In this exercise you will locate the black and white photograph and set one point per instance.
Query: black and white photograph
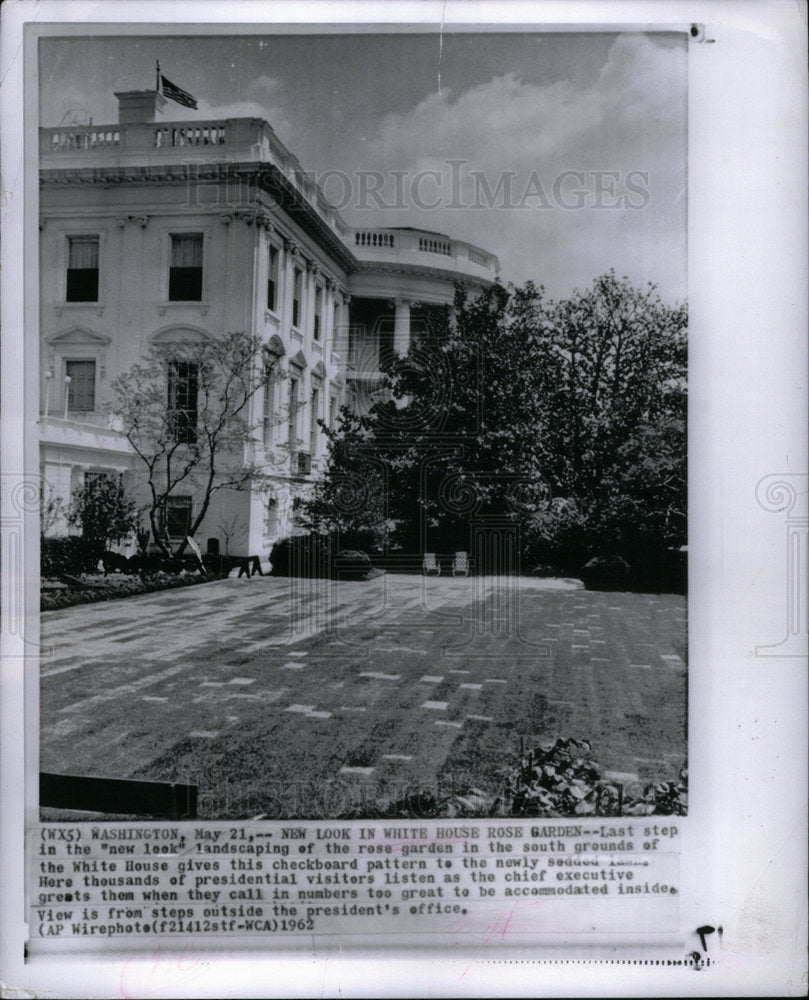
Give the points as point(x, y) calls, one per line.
point(363, 423)
point(403, 499)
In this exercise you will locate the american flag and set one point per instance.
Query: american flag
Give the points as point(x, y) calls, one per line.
point(175, 93)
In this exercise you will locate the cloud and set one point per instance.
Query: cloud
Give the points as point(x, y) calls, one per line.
point(630, 118)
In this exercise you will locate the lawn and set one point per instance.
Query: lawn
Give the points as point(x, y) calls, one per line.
point(306, 699)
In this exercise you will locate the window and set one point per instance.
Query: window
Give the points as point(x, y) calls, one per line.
point(185, 273)
point(94, 479)
point(318, 310)
point(297, 286)
point(82, 269)
point(81, 390)
point(269, 403)
point(182, 400)
point(178, 516)
point(272, 279)
point(315, 413)
point(292, 419)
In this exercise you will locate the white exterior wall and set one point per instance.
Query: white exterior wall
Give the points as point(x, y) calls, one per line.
point(134, 215)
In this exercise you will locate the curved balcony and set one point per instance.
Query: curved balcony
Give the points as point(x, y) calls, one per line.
point(423, 248)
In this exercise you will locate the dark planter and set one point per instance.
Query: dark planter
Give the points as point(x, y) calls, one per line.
point(351, 564)
point(606, 573)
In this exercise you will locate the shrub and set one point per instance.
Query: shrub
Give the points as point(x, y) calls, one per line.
point(352, 565)
point(554, 780)
point(58, 556)
point(105, 514)
point(557, 535)
point(606, 573)
point(303, 555)
point(114, 561)
point(147, 564)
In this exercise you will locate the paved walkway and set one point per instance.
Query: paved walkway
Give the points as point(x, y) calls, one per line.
point(295, 697)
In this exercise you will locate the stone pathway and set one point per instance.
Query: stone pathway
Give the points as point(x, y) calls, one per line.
point(297, 697)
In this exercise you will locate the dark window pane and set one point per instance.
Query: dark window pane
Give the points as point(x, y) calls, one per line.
point(82, 285)
point(272, 279)
point(185, 284)
point(82, 269)
point(297, 291)
point(185, 273)
point(318, 311)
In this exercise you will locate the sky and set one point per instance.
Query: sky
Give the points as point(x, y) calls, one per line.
point(562, 153)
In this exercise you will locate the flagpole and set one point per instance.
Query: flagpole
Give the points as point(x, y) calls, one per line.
point(157, 64)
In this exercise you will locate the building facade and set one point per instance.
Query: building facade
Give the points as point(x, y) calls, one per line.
point(154, 232)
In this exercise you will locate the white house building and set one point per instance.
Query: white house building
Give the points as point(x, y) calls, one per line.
point(153, 232)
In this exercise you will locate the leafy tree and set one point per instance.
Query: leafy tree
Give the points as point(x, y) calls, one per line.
point(184, 409)
point(567, 418)
point(612, 361)
point(105, 513)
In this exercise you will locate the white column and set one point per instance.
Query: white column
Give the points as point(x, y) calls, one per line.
point(401, 327)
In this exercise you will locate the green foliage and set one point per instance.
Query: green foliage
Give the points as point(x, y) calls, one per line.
point(558, 779)
point(563, 779)
point(566, 418)
point(349, 502)
point(303, 555)
point(59, 556)
point(105, 514)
